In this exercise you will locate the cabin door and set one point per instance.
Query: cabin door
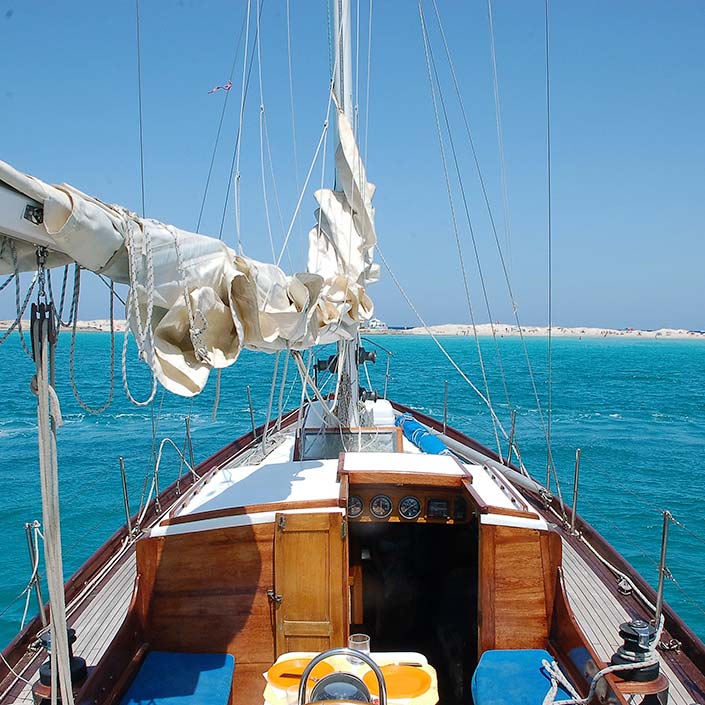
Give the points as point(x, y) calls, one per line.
point(311, 577)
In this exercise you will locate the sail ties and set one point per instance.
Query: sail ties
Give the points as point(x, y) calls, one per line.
point(193, 302)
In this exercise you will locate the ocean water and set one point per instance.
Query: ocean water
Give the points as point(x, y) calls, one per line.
point(636, 408)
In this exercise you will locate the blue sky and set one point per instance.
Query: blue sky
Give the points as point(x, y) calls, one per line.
point(628, 148)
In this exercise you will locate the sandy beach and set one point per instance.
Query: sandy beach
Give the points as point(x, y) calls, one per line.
point(505, 330)
point(502, 330)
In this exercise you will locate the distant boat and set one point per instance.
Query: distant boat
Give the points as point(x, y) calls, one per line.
point(375, 324)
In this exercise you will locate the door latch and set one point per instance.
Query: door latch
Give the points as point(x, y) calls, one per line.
point(273, 597)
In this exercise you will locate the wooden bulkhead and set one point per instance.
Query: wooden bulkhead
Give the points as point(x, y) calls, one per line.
point(297, 582)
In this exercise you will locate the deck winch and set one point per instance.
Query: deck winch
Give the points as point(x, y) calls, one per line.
point(41, 690)
point(638, 638)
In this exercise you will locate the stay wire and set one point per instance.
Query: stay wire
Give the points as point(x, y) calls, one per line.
point(502, 259)
point(697, 537)
point(139, 100)
point(268, 220)
point(291, 92)
point(220, 125)
point(236, 152)
point(500, 139)
point(471, 229)
point(367, 86)
point(456, 233)
point(438, 343)
point(549, 457)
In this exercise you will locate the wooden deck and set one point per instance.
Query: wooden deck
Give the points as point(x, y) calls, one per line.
point(599, 614)
point(96, 620)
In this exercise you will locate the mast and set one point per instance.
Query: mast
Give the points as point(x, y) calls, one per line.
point(348, 392)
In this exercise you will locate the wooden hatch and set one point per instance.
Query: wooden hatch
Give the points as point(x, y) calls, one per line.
point(310, 575)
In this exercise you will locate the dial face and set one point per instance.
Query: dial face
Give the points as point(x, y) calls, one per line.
point(355, 506)
point(410, 507)
point(381, 506)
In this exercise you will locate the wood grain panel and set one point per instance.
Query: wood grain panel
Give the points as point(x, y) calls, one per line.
point(311, 577)
point(515, 601)
point(209, 592)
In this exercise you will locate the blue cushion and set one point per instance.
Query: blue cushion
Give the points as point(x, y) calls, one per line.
point(168, 678)
point(513, 677)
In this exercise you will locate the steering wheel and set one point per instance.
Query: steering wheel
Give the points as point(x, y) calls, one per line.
point(342, 651)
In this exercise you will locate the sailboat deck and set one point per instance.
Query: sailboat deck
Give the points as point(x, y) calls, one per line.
point(599, 614)
point(98, 621)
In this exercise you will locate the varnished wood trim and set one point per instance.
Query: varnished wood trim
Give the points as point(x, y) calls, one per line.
point(253, 509)
point(507, 511)
point(658, 685)
point(486, 576)
point(551, 557)
point(344, 490)
point(480, 504)
point(401, 478)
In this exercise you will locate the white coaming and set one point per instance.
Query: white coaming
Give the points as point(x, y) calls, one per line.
point(228, 522)
point(520, 522)
point(279, 478)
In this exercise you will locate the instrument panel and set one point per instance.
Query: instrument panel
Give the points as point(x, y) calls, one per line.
point(387, 504)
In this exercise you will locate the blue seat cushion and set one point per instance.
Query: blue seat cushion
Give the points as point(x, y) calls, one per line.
point(169, 678)
point(513, 677)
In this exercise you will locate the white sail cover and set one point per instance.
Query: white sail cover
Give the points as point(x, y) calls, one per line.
point(194, 303)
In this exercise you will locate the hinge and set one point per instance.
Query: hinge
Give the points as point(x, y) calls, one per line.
point(281, 522)
point(343, 530)
point(273, 597)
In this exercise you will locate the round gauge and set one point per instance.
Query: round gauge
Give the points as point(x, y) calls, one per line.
point(410, 507)
point(381, 506)
point(355, 506)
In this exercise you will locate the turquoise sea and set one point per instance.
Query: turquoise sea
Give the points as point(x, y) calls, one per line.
point(636, 408)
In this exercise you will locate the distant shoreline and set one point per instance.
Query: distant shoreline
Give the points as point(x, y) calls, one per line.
point(502, 330)
point(97, 326)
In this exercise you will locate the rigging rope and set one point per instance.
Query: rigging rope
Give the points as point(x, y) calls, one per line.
point(282, 386)
point(291, 92)
point(72, 352)
point(139, 99)
point(19, 307)
point(549, 411)
point(438, 343)
point(277, 202)
point(48, 419)
point(471, 229)
point(261, 132)
point(557, 677)
point(367, 87)
point(500, 139)
point(144, 335)
point(271, 399)
point(456, 233)
point(243, 95)
point(235, 161)
point(220, 127)
point(502, 258)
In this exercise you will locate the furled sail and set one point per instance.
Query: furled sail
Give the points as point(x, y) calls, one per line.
point(193, 302)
